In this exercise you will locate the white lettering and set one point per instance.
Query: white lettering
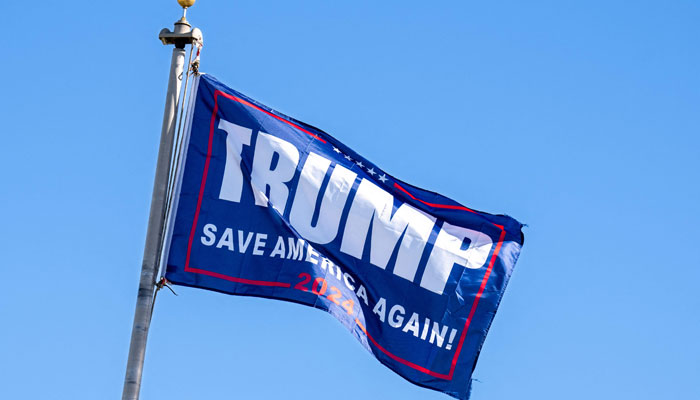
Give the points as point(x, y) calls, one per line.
point(243, 244)
point(347, 278)
point(232, 183)
point(209, 237)
point(334, 198)
point(259, 243)
point(362, 294)
point(448, 251)
point(264, 175)
point(296, 249)
point(395, 320)
point(438, 333)
point(380, 309)
point(426, 325)
point(311, 255)
point(412, 325)
point(372, 204)
point(279, 248)
point(226, 240)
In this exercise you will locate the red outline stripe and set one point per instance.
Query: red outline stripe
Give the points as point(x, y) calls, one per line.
point(476, 302)
point(238, 280)
point(448, 206)
point(204, 180)
point(249, 104)
point(394, 357)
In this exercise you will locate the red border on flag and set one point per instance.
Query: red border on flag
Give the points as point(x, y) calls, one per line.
point(472, 311)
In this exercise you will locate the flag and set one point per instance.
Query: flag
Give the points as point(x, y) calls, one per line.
point(265, 205)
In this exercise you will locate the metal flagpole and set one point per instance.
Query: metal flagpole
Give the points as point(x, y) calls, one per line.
point(182, 35)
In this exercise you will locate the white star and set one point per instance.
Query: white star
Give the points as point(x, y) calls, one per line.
point(382, 178)
point(336, 149)
point(371, 171)
point(359, 164)
point(347, 157)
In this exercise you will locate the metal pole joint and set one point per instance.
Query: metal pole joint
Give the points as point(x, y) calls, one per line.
point(181, 36)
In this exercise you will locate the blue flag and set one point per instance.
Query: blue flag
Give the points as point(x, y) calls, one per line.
point(268, 206)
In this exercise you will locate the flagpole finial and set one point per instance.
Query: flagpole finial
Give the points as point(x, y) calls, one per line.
point(186, 3)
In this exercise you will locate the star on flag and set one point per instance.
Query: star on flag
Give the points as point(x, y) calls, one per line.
point(370, 170)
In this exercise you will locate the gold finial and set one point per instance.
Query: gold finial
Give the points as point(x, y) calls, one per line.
point(186, 3)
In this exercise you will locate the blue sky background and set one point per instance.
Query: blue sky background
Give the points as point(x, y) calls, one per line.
point(581, 119)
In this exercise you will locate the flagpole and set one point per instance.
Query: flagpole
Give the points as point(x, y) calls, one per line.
point(182, 35)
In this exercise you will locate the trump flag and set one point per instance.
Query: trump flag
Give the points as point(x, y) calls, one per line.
point(268, 206)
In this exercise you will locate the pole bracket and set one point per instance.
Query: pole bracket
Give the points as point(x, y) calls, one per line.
point(181, 36)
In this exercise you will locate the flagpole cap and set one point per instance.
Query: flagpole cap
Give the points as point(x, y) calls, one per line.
point(186, 3)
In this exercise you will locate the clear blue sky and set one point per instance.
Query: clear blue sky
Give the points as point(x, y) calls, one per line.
point(581, 119)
